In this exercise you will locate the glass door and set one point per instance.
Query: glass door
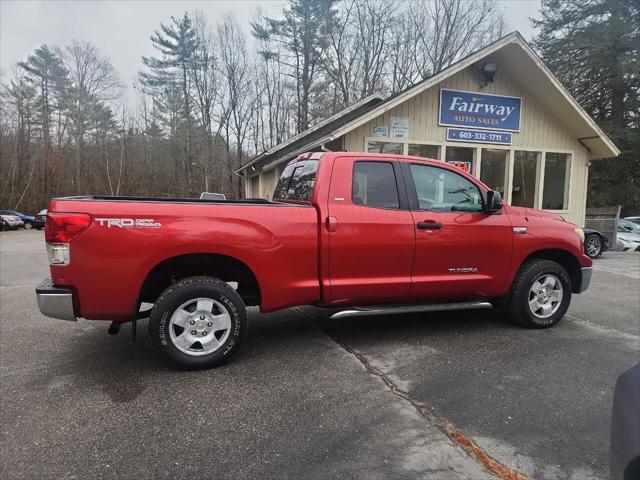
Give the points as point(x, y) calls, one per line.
point(526, 169)
point(493, 169)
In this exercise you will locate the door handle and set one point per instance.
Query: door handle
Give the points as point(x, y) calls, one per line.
point(331, 224)
point(429, 225)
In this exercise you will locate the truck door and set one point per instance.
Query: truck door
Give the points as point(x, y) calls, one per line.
point(461, 251)
point(371, 232)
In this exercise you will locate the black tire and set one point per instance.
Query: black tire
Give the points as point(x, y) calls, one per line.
point(519, 310)
point(593, 245)
point(28, 225)
point(183, 292)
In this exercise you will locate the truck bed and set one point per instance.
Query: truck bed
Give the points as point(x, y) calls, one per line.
point(111, 198)
point(129, 237)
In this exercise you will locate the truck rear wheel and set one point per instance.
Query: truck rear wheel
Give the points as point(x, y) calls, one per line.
point(540, 294)
point(198, 322)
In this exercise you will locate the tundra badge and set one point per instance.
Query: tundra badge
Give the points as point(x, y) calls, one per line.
point(464, 270)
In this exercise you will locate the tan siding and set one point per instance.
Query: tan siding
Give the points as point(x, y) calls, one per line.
point(268, 184)
point(253, 186)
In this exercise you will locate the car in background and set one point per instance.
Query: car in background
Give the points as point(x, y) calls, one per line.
point(10, 222)
point(212, 196)
point(635, 220)
point(628, 236)
point(41, 218)
point(29, 221)
point(595, 242)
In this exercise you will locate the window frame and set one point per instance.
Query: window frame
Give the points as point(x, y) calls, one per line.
point(401, 188)
point(399, 141)
point(431, 144)
point(567, 180)
point(405, 145)
point(413, 193)
point(537, 194)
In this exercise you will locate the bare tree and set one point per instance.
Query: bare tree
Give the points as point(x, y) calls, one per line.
point(375, 21)
point(447, 30)
point(207, 89)
point(275, 108)
point(93, 80)
point(238, 103)
point(403, 53)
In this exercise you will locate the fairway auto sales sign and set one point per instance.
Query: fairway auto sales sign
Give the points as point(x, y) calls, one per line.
point(477, 110)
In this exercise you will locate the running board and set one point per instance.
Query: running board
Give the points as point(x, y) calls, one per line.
point(429, 307)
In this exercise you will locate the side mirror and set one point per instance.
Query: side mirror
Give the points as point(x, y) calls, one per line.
point(494, 202)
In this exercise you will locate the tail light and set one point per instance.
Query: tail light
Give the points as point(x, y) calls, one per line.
point(64, 227)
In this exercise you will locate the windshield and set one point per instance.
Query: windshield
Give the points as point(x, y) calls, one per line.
point(625, 226)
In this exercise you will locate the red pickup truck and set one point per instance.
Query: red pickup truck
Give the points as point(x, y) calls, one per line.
point(367, 234)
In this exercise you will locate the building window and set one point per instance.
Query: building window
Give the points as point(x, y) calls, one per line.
point(424, 151)
point(493, 168)
point(526, 166)
point(385, 147)
point(374, 185)
point(555, 192)
point(461, 157)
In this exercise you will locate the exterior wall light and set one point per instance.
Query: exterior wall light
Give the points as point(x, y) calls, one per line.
point(488, 71)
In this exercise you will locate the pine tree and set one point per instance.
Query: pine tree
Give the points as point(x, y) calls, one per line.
point(302, 34)
point(593, 47)
point(172, 73)
point(45, 70)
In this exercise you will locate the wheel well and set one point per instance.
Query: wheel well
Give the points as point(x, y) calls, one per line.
point(227, 269)
point(564, 258)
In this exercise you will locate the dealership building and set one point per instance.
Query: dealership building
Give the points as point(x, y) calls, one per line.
point(499, 113)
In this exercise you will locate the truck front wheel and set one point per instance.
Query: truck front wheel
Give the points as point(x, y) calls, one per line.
point(198, 322)
point(540, 294)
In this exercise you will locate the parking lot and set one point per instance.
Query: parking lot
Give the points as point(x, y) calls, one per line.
point(307, 397)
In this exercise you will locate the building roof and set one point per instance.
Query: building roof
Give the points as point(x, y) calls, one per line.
point(515, 57)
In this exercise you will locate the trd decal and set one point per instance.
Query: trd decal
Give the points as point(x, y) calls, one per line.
point(128, 223)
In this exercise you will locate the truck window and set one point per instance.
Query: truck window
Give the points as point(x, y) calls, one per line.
point(442, 190)
point(296, 182)
point(374, 185)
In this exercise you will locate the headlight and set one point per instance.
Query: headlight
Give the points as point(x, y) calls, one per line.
point(580, 233)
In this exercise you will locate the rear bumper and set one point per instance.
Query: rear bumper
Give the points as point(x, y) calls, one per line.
point(585, 279)
point(55, 302)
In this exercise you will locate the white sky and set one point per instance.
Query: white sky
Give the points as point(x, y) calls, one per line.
point(121, 29)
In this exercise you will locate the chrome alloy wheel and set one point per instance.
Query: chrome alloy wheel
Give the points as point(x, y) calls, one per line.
point(545, 296)
point(200, 326)
point(594, 245)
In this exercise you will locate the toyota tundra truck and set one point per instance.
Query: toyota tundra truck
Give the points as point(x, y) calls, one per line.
point(362, 234)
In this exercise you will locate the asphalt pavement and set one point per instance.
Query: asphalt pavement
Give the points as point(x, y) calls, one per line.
point(406, 396)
